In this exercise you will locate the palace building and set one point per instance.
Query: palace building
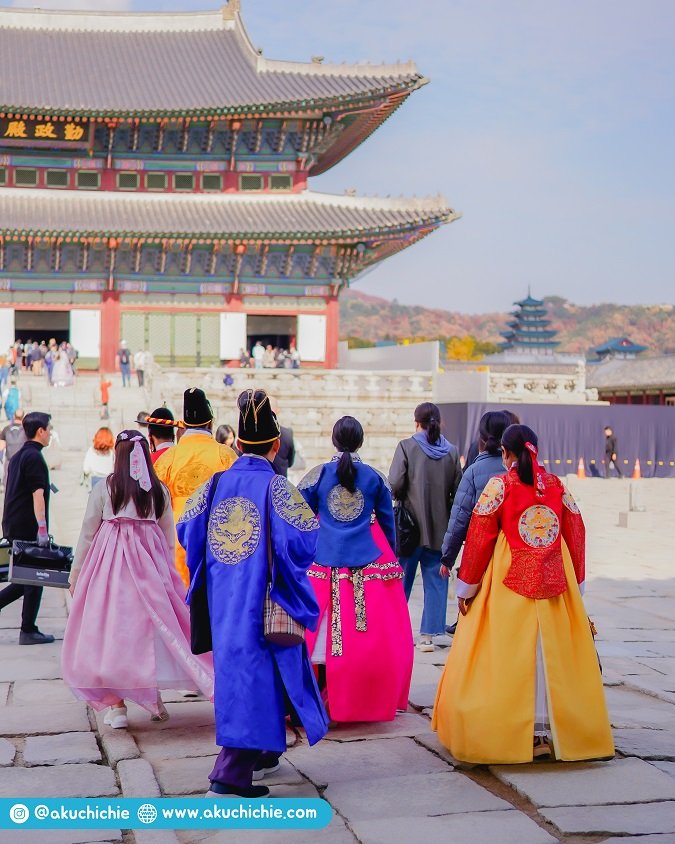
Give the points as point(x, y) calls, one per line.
point(154, 187)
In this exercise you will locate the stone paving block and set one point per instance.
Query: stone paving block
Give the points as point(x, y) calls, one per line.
point(59, 718)
point(647, 744)
point(335, 833)
point(60, 836)
point(189, 715)
point(425, 795)
point(61, 749)
point(666, 767)
point(422, 695)
point(509, 827)
point(177, 742)
point(38, 668)
point(4, 692)
point(7, 752)
point(365, 760)
point(155, 836)
point(42, 692)
point(628, 709)
point(643, 839)
point(405, 724)
point(137, 778)
point(63, 781)
point(179, 777)
point(117, 745)
point(431, 741)
point(629, 819)
point(588, 783)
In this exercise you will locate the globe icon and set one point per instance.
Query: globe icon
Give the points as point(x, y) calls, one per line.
point(147, 813)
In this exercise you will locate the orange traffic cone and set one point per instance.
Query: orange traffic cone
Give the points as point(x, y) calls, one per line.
point(581, 469)
point(637, 474)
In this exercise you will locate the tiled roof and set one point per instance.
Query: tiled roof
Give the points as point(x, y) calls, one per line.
point(116, 63)
point(259, 216)
point(619, 344)
point(624, 374)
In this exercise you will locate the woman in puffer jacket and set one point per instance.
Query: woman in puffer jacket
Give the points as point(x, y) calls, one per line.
point(485, 466)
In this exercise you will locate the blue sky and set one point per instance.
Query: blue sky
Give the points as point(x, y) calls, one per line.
point(549, 124)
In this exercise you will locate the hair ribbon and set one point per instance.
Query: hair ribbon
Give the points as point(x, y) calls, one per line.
point(138, 465)
point(536, 472)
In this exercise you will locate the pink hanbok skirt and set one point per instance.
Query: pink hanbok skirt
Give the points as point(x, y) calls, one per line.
point(369, 645)
point(128, 633)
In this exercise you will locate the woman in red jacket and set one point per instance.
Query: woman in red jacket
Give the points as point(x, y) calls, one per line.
point(522, 677)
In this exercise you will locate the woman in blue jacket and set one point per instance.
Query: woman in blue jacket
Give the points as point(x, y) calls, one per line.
point(364, 644)
point(485, 466)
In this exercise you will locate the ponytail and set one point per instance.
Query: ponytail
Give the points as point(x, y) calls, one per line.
point(347, 438)
point(346, 471)
point(492, 426)
point(429, 417)
point(515, 439)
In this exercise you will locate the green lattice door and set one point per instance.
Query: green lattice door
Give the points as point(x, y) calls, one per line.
point(174, 339)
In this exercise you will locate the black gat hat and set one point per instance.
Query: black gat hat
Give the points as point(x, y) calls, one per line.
point(257, 421)
point(196, 408)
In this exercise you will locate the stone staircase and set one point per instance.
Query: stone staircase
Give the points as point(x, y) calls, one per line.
point(309, 401)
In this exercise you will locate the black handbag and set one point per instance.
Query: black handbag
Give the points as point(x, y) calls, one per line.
point(5, 552)
point(407, 531)
point(201, 641)
point(40, 565)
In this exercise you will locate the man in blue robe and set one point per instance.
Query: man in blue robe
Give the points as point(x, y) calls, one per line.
point(254, 527)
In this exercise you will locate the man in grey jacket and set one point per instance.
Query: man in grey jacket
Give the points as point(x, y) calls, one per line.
point(424, 475)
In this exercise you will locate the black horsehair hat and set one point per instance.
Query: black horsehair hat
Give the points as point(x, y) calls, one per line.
point(197, 410)
point(257, 421)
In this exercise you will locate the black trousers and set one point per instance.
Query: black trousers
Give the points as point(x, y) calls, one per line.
point(32, 595)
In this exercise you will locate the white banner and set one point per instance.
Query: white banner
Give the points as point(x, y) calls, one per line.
point(232, 335)
point(7, 332)
point(312, 337)
point(85, 333)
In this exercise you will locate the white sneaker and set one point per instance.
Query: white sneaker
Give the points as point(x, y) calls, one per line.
point(426, 646)
point(116, 717)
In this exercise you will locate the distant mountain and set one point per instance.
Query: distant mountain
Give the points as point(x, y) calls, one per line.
point(370, 318)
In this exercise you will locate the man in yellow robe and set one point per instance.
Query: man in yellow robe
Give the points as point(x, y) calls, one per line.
point(192, 461)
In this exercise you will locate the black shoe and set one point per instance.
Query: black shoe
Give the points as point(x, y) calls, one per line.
point(269, 765)
point(450, 629)
point(35, 638)
point(219, 789)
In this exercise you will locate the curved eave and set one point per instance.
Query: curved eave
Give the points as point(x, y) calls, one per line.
point(394, 234)
point(361, 130)
point(286, 108)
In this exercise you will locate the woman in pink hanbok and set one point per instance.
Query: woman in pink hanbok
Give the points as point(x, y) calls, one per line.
point(363, 646)
point(128, 633)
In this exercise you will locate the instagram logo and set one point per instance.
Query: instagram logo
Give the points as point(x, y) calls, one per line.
point(19, 813)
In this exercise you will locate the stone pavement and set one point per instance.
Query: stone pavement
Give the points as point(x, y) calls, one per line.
point(386, 782)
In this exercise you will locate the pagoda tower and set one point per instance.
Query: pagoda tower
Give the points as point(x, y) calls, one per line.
point(529, 330)
point(154, 187)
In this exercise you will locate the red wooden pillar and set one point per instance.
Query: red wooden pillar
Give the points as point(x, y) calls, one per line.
point(332, 332)
point(111, 323)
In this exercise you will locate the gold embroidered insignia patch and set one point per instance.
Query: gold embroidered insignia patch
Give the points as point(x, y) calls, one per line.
point(491, 498)
point(311, 478)
point(291, 506)
point(196, 503)
point(189, 478)
point(234, 530)
point(343, 505)
point(570, 503)
point(539, 526)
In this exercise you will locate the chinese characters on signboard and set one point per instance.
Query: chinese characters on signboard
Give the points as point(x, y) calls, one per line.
point(14, 129)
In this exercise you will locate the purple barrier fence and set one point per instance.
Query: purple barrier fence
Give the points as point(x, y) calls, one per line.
point(568, 432)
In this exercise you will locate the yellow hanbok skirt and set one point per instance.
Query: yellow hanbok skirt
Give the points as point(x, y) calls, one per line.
point(485, 702)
